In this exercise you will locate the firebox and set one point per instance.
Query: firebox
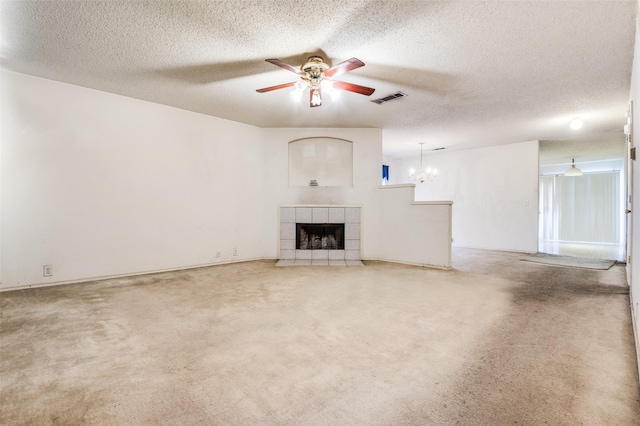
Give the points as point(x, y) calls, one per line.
point(320, 236)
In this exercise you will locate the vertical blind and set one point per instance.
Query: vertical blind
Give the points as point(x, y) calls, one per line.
point(582, 208)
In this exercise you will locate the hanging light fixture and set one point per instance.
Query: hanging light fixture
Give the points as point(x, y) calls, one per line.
point(423, 175)
point(573, 170)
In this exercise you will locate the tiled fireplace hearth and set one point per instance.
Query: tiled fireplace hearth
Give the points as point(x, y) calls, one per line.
point(319, 248)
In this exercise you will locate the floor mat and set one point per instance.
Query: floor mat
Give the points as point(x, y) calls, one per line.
point(574, 262)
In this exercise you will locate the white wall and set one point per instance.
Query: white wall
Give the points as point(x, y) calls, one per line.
point(634, 264)
point(101, 185)
point(417, 233)
point(97, 184)
point(367, 160)
point(327, 161)
point(494, 192)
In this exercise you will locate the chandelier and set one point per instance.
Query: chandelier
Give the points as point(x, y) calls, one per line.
point(428, 174)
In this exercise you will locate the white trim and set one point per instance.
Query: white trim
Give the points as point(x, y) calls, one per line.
point(134, 274)
point(432, 203)
point(424, 265)
point(320, 205)
point(506, 250)
point(634, 326)
point(399, 185)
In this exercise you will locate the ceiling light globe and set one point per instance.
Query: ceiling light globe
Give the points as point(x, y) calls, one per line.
point(327, 86)
point(573, 170)
point(315, 97)
point(576, 123)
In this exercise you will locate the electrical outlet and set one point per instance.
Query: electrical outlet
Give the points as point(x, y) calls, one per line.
point(218, 255)
point(47, 271)
point(235, 251)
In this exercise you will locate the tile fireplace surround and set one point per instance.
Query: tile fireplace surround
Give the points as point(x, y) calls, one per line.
point(349, 215)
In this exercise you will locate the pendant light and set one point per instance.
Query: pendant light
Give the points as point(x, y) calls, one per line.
point(573, 170)
point(421, 176)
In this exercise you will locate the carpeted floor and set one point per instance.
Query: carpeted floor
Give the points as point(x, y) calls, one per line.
point(495, 341)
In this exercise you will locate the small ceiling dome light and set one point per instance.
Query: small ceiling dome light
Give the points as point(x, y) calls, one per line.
point(576, 123)
point(573, 170)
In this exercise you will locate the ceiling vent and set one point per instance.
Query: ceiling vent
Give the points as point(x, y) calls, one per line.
point(395, 96)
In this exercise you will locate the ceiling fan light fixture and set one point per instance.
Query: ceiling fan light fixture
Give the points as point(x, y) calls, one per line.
point(327, 86)
point(573, 170)
point(312, 74)
point(316, 99)
point(296, 95)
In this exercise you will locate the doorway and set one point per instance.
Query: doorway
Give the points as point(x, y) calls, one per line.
point(583, 215)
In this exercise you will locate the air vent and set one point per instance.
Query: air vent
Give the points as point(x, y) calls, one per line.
point(396, 95)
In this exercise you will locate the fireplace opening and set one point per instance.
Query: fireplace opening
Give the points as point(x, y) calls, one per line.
point(320, 236)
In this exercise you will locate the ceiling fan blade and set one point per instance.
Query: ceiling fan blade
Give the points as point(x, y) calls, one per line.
point(286, 66)
point(315, 98)
point(342, 67)
point(350, 87)
point(279, 86)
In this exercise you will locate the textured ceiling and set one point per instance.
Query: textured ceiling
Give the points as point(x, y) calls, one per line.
point(582, 150)
point(477, 73)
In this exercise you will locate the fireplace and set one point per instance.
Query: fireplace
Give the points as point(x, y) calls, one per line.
point(319, 236)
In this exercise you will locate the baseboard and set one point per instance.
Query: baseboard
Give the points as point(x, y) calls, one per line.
point(133, 274)
point(158, 271)
point(423, 265)
point(635, 331)
point(502, 250)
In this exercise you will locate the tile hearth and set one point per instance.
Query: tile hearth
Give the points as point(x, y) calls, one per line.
point(302, 262)
point(347, 215)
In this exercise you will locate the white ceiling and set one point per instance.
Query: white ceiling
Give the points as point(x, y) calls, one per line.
point(477, 73)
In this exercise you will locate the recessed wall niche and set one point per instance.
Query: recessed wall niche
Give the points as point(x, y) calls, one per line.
point(325, 161)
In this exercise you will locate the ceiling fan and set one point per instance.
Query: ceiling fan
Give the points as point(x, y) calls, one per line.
point(316, 75)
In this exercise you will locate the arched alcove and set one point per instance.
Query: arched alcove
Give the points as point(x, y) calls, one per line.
point(327, 161)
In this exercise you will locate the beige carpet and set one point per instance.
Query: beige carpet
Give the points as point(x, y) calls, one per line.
point(493, 342)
